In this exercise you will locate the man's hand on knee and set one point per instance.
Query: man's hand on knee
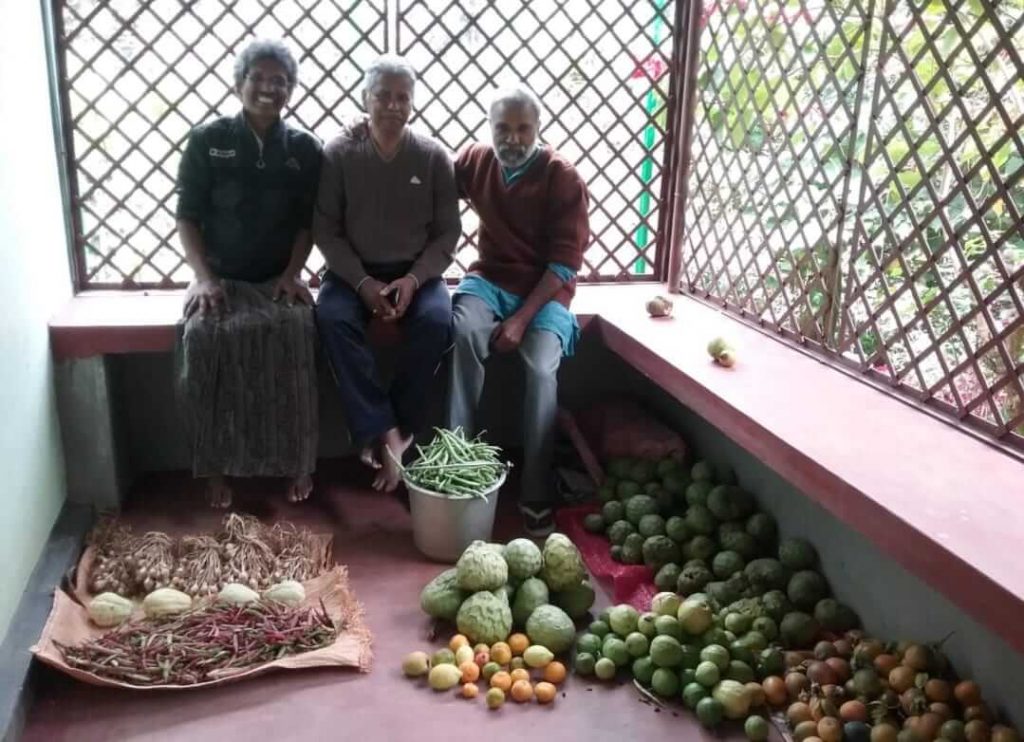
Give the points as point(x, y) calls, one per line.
point(508, 335)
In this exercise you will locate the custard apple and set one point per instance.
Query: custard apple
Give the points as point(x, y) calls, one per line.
point(441, 597)
point(563, 566)
point(481, 567)
point(531, 593)
point(523, 557)
point(484, 618)
point(551, 627)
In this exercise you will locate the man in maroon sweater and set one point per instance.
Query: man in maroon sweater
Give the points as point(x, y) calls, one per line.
point(533, 209)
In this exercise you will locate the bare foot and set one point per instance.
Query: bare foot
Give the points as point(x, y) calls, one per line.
point(300, 488)
point(218, 492)
point(369, 457)
point(390, 474)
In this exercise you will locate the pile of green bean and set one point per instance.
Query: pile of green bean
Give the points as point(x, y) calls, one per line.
point(455, 466)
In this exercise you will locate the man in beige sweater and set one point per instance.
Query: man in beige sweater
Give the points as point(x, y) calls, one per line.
point(387, 222)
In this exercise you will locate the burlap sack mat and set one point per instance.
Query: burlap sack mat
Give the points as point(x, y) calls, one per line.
point(69, 623)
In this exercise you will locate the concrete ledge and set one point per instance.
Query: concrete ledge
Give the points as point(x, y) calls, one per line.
point(16, 667)
point(941, 503)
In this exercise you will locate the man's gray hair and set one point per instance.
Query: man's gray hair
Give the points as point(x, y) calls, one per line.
point(387, 64)
point(260, 49)
point(516, 94)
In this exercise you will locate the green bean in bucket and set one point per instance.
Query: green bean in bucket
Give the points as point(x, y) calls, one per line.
point(456, 466)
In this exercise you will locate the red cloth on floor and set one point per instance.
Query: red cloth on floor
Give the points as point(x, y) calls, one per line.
point(630, 583)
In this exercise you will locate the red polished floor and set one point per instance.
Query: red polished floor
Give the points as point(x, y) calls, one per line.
point(372, 535)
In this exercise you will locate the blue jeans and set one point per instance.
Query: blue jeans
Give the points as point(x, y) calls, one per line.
point(342, 318)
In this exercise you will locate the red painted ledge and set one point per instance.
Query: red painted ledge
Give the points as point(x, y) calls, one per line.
point(944, 505)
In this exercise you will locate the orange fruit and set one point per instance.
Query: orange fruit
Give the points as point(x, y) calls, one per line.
point(469, 690)
point(501, 653)
point(545, 692)
point(522, 691)
point(501, 680)
point(459, 640)
point(470, 672)
point(554, 672)
point(518, 644)
point(520, 674)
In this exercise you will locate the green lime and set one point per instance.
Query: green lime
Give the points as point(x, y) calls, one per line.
point(615, 650)
point(740, 672)
point(666, 652)
point(707, 674)
point(605, 669)
point(584, 664)
point(645, 625)
point(600, 628)
point(709, 712)
point(693, 693)
point(665, 682)
point(668, 626)
point(589, 643)
point(756, 728)
point(643, 670)
point(738, 623)
point(718, 654)
point(637, 644)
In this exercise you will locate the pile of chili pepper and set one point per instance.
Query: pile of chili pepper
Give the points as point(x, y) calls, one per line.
point(201, 644)
point(456, 466)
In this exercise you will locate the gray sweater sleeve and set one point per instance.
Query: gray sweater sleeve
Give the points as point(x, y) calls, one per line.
point(329, 220)
point(446, 227)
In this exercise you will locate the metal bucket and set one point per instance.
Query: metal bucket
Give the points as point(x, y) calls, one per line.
point(444, 526)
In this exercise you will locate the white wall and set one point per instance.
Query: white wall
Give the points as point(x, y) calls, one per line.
point(34, 281)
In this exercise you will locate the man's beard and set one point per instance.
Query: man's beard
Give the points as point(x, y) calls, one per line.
point(510, 156)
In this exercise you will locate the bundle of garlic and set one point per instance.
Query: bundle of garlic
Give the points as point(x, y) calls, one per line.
point(151, 561)
point(199, 571)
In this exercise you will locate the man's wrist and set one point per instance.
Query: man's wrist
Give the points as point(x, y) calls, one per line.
point(415, 280)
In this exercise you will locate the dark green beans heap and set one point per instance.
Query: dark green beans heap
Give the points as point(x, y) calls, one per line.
point(455, 466)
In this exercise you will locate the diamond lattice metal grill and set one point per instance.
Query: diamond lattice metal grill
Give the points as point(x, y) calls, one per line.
point(856, 184)
point(601, 71)
point(138, 74)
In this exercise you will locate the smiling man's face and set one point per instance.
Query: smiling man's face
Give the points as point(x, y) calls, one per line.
point(265, 89)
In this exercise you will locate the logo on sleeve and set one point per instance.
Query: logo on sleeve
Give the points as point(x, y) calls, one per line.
point(292, 163)
point(222, 153)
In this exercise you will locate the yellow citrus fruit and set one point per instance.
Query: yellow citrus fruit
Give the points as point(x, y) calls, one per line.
point(457, 641)
point(554, 672)
point(518, 643)
point(495, 698)
point(520, 674)
point(501, 680)
point(522, 691)
point(501, 653)
point(545, 692)
point(469, 690)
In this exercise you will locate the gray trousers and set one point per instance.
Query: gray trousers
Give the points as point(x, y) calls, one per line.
point(541, 352)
